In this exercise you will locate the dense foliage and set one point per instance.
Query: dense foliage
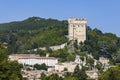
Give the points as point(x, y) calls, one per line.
point(112, 73)
point(32, 33)
point(79, 74)
point(101, 44)
point(9, 70)
point(40, 67)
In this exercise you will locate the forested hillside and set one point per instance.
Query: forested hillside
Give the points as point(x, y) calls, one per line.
point(102, 44)
point(35, 32)
point(32, 33)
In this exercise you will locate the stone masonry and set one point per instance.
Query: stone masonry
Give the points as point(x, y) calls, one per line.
point(77, 29)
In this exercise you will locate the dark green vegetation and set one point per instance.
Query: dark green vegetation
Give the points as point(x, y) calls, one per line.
point(102, 44)
point(112, 73)
point(32, 33)
point(40, 67)
point(9, 70)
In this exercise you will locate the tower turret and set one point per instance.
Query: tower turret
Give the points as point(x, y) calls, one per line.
point(77, 29)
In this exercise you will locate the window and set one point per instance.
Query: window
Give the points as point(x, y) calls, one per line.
point(82, 25)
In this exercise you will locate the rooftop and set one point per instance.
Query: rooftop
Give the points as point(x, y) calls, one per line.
point(28, 56)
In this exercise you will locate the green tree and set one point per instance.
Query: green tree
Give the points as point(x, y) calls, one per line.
point(41, 67)
point(90, 61)
point(111, 74)
point(69, 78)
point(54, 77)
point(9, 70)
point(65, 69)
point(79, 74)
point(43, 76)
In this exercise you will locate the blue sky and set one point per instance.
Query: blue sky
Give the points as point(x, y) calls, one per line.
point(101, 14)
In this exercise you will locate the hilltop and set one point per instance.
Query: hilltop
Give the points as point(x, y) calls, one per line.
point(32, 33)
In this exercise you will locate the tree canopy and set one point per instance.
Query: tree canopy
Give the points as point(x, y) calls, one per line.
point(32, 33)
point(112, 73)
point(9, 70)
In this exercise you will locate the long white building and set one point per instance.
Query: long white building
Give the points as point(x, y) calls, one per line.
point(32, 59)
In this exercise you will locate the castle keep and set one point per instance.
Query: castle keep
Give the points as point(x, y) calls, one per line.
point(77, 29)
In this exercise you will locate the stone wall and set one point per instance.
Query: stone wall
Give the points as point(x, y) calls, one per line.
point(53, 47)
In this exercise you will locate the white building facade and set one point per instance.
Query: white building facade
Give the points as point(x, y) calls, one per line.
point(32, 59)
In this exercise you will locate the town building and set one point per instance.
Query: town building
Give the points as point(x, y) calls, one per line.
point(32, 59)
point(32, 74)
point(70, 66)
point(104, 62)
point(92, 74)
point(77, 29)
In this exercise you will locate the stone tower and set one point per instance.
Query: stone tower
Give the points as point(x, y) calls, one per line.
point(77, 29)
